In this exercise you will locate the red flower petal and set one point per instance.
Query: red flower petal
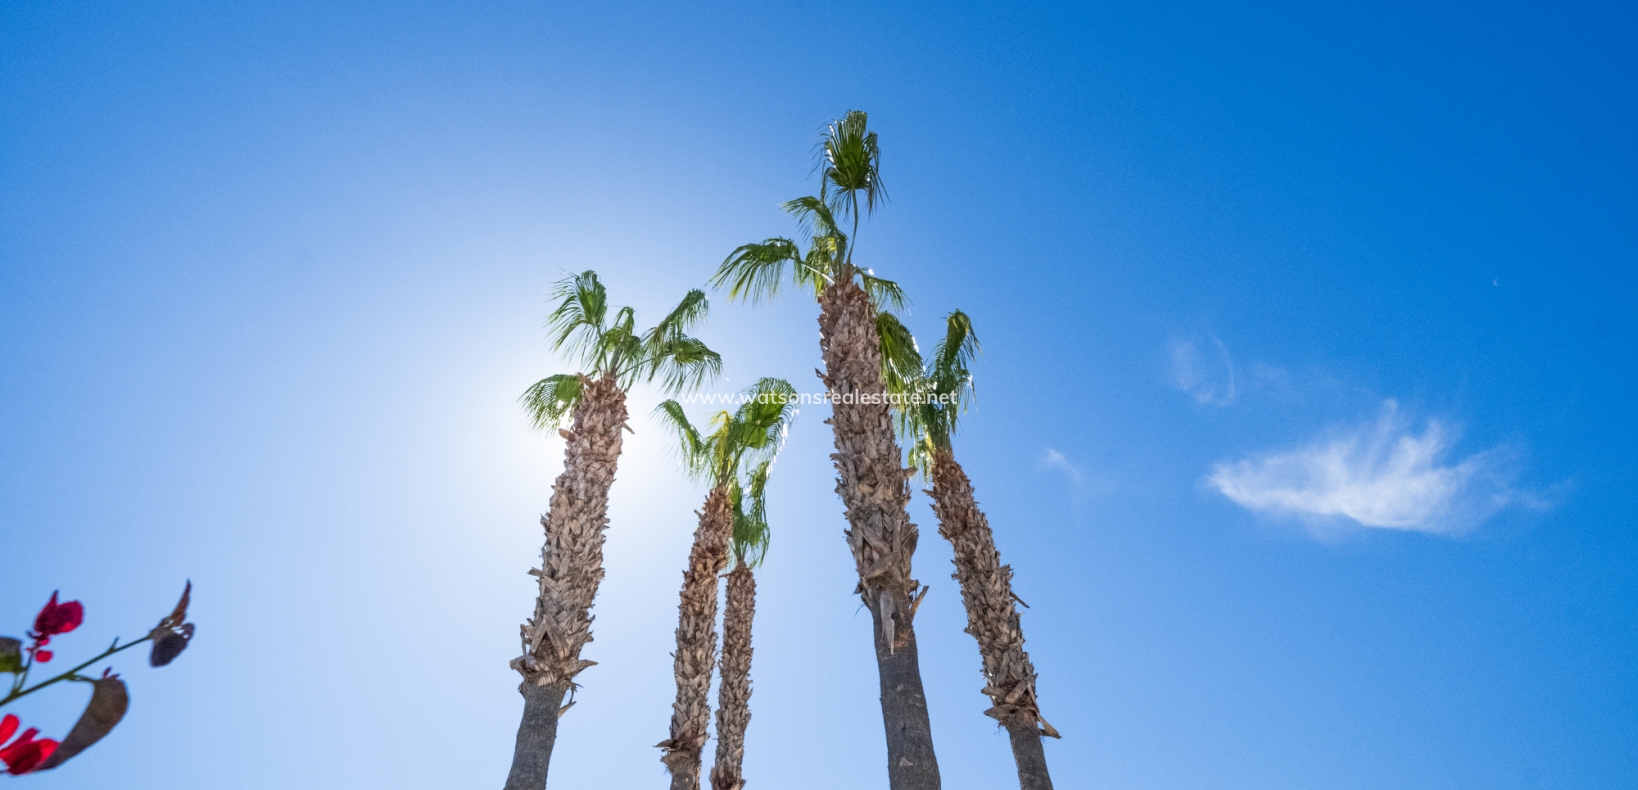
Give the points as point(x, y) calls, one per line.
point(28, 757)
point(58, 618)
point(43, 656)
point(8, 725)
point(26, 754)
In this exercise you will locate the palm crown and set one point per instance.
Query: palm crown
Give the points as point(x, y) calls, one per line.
point(604, 345)
point(752, 433)
point(750, 437)
point(933, 394)
point(849, 164)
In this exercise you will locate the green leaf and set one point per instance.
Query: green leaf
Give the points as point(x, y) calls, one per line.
point(551, 402)
point(751, 531)
point(691, 446)
point(754, 272)
point(884, 294)
point(851, 160)
point(11, 655)
point(582, 306)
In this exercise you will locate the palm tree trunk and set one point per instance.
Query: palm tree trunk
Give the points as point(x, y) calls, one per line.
point(532, 754)
point(570, 570)
point(874, 487)
point(697, 641)
point(992, 618)
point(1030, 757)
point(734, 695)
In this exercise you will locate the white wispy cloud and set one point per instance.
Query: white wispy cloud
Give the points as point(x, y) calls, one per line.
point(1056, 460)
point(1206, 375)
point(1380, 475)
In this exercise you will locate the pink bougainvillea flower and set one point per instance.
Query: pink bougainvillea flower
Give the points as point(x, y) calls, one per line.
point(24, 754)
point(57, 618)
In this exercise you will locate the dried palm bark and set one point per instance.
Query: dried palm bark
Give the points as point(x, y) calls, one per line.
point(874, 487)
point(992, 618)
point(570, 571)
point(697, 641)
point(734, 693)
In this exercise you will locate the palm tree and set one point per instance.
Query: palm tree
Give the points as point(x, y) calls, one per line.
point(612, 356)
point(928, 420)
point(870, 476)
point(752, 434)
point(734, 692)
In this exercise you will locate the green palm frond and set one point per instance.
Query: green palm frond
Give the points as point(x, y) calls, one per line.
point(577, 322)
point(823, 263)
point(850, 159)
point(681, 362)
point(814, 216)
point(754, 272)
point(901, 359)
point(884, 294)
point(751, 532)
point(683, 365)
point(956, 351)
point(949, 376)
point(688, 314)
point(551, 402)
point(692, 448)
point(763, 420)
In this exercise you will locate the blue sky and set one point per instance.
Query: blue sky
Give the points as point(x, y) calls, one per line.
point(1304, 413)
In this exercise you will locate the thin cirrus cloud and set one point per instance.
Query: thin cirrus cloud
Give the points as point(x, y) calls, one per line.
point(1056, 460)
point(1204, 370)
point(1381, 475)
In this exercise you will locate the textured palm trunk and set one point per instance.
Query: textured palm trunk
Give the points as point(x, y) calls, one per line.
point(697, 641)
point(571, 569)
point(734, 694)
point(874, 488)
point(992, 618)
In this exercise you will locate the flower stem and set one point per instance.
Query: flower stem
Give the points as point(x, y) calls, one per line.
point(72, 674)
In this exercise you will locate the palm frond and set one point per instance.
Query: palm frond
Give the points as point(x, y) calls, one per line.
point(620, 349)
point(814, 216)
point(692, 448)
point(688, 314)
point(884, 294)
point(901, 359)
point(577, 322)
point(751, 532)
point(764, 418)
point(954, 355)
point(551, 402)
point(822, 265)
point(949, 381)
point(754, 272)
point(920, 453)
point(682, 364)
point(850, 159)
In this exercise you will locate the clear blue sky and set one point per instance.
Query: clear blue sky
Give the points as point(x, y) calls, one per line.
point(1305, 413)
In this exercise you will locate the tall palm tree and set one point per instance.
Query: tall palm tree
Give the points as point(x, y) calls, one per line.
point(927, 419)
point(871, 478)
point(612, 356)
point(753, 434)
point(734, 691)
